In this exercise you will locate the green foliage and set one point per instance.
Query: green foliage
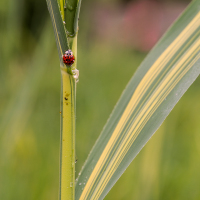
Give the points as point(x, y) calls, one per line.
point(167, 167)
point(32, 169)
point(161, 80)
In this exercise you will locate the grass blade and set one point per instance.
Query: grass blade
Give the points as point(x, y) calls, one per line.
point(161, 80)
point(58, 27)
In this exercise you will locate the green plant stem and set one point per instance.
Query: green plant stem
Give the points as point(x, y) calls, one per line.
point(67, 149)
point(65, 22)
point(70, 12)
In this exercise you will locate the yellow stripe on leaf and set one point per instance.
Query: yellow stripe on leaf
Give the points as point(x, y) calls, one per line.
point(105, 168)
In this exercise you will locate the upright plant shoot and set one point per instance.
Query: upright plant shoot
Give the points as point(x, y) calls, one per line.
point(64, 15)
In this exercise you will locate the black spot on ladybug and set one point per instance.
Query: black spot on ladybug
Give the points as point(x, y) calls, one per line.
point(66, 98)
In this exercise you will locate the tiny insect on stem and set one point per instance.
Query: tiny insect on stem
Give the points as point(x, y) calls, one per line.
point(68, 58)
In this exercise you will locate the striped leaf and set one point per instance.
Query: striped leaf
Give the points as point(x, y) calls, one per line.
point(58, 27)
point(164, 76)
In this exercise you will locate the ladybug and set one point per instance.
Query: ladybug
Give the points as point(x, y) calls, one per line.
point(68, 58)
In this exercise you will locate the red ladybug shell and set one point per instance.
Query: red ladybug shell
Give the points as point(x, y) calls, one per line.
point(68, 58)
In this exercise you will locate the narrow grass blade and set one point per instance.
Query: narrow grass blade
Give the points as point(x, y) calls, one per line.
point(161, 80)
point(58, 27)
point(76, 19)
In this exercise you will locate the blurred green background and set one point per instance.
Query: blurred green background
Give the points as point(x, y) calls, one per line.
point(114, 37)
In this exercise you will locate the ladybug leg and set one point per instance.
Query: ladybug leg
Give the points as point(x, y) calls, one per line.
point(75, 74)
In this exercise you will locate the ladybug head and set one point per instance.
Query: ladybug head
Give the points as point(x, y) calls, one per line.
point(68, 52)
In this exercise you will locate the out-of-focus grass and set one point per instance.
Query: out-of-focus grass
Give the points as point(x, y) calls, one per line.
point(167, 168)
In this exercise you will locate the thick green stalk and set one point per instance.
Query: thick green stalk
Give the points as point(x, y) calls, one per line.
point(65, 23)
point(67, 157)
point(67, 150)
